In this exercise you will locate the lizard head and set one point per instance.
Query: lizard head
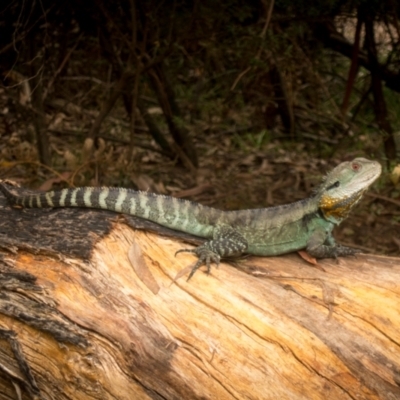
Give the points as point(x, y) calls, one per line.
point(344, 187)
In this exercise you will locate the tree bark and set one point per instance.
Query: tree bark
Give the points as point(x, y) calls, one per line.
point(93, 309)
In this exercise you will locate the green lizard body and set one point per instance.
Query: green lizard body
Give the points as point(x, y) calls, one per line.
point(306, 224)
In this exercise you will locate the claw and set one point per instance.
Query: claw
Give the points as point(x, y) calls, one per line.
point(185, 251)
point(195, 268)
point(205, 256)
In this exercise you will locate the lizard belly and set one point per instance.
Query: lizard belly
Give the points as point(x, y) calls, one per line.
point(283, 247)
point(285, 239)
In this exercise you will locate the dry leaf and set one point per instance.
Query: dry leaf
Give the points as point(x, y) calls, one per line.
point(101, 147)
point(396, 241)
point(138, 263)
point(395, 175)
point(310, 259)
point(183, 272)
point(70, 159)
point(305, 256)
point(154, 111)
point(143, 182)
point(47, 185)
point(87, 148)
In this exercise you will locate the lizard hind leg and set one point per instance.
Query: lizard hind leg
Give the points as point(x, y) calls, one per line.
point(226, 242)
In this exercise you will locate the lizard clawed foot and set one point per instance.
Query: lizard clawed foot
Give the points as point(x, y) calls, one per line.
point(205, 255)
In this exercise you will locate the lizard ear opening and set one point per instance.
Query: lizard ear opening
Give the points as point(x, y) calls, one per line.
point(333, 186)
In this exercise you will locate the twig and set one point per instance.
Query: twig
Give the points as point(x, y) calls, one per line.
point(135, 90)
point(133, 27)
point(239, 77)
point(109, 104)
point(39, 164)
point(135, 93)
point(60, 68)
point(24, 34)
point(380, 197)
point(267, 20)
point(114, 139)
point(262, 36)
point(353, 70)
point(83, 78)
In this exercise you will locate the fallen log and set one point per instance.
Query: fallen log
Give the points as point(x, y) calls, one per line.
point(92, 308)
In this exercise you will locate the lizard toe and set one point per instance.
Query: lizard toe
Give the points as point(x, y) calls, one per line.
point(206, 256)
point(185, 251)
point(347, 251)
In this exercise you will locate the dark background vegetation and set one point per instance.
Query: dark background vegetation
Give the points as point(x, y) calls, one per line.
point(235, 104)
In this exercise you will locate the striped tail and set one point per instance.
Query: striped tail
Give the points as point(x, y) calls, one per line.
point(178, 214)
point(12, 198)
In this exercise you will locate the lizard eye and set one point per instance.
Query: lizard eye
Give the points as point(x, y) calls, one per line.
point(333, 186)
point(355, 166)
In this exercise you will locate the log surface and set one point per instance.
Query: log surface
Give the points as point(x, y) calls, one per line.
point(78, 321)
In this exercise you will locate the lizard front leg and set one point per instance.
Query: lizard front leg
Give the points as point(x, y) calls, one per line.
point(226, 242)
point(323, 245)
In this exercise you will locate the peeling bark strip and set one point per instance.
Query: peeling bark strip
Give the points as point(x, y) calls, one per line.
point(25, 306)
point(24, 375)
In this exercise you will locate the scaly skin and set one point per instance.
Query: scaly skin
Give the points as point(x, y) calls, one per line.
point(306, 224)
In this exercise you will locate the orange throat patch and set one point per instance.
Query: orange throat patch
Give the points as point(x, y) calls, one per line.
point(338, 209)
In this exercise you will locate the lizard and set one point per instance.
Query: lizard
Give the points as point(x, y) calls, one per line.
point(305, 224)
